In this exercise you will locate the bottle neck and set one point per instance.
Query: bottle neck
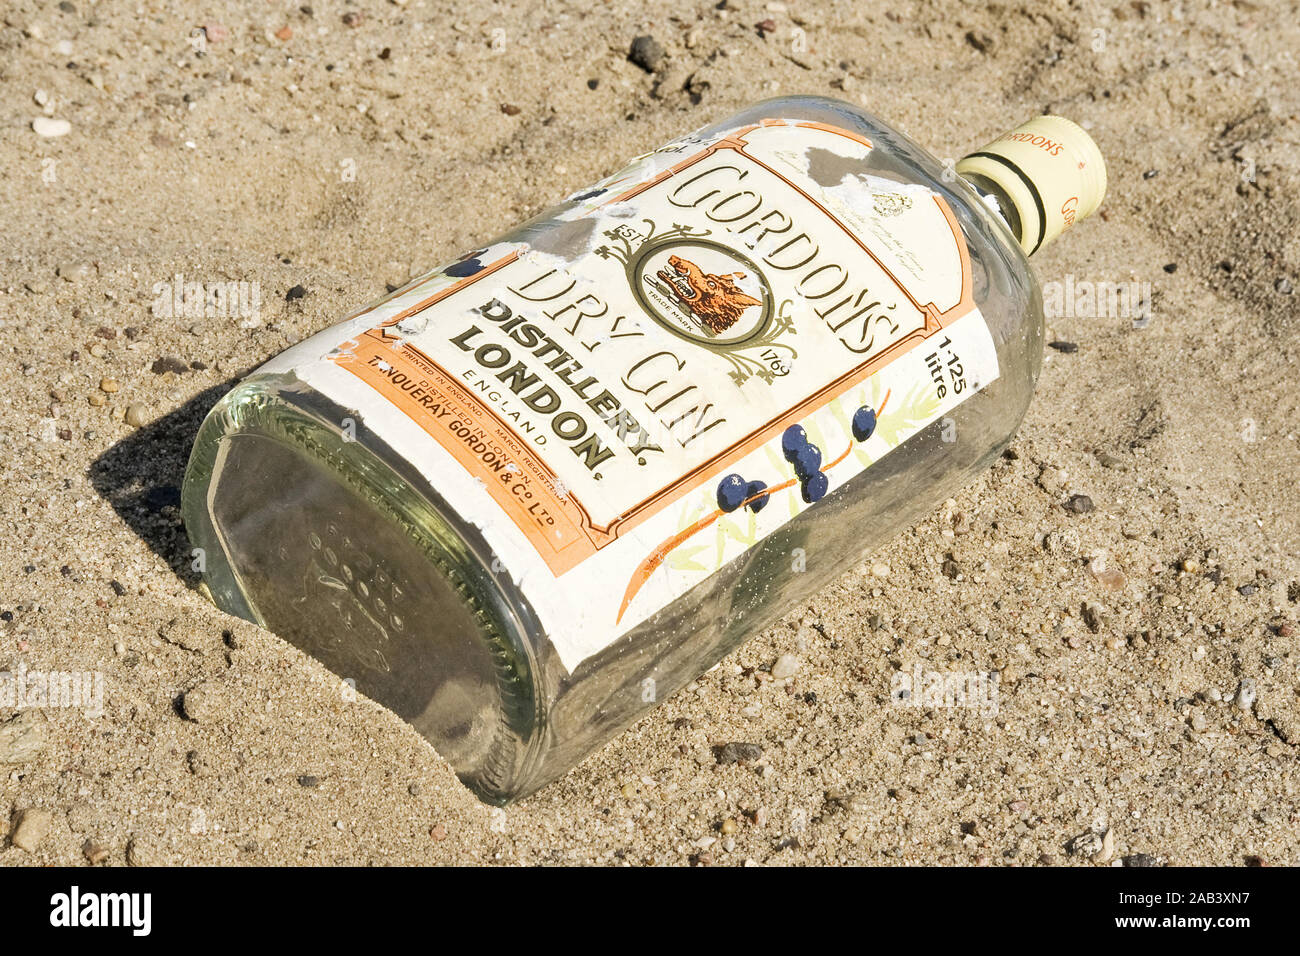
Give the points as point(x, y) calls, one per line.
point(996, 199)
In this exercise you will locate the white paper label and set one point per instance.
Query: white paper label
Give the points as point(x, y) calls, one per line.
point(705, 345)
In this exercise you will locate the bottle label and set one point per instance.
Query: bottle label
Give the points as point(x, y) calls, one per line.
point(700, 348)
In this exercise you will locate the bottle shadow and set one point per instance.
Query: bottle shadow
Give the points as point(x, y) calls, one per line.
point(141, 477)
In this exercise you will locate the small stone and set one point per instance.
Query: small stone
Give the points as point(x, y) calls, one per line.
point(352, 18)
point(1107, 847)
point(1108, 576)
point(1067, 348)
point(510, 109)
point(202, 703)
point(215, 32)
point(73, 271)
point(1198, 722)
point(32, 827)
point(879, 570)
point(646, 53)
point(109, 385)
point(1088, 844)
point(93, 852)
point(1246, 694)
point(1284, 286)
point(737, 753)
point(297, 292)
point(1140, 859)
point(729, 826)
point(49, 127)
point(169, 363)
point(284, 34)
point(787, 665)
point(1079, 504)
point(136, 416)
point(22, 738)
point(438, 832)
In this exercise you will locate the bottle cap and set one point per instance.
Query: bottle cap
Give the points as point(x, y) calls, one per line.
point(1050, 169)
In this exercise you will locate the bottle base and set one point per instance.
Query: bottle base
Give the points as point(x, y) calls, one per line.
point(364, 574)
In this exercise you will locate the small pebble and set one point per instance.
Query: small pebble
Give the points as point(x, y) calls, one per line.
point(73, 271)
point(646, 53)
point(1088, 844)
point(48, 127)
point(1079, 504)
point(737, 753)
point(169, 363)
point(109, 385)
point(1246, 694)
point(787, 665)
point(22, 738)
point(136, 416)
point(94, 853)
point(33, 826)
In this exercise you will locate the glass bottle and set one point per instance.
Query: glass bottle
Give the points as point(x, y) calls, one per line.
point(532, 493)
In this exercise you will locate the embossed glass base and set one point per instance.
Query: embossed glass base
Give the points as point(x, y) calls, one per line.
point(363, 573)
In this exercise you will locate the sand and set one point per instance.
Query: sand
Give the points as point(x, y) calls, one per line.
point(294, 149)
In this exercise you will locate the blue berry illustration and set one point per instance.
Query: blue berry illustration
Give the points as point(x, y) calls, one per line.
point(864, 423)
point(753, 488)
point(814, 489)
point(807, 462)
point(792, 441)
point(731, 492)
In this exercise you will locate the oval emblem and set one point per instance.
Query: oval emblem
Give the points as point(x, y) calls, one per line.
point(702, 291)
